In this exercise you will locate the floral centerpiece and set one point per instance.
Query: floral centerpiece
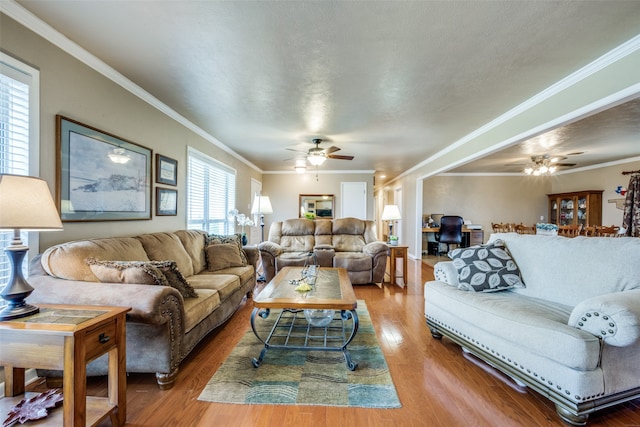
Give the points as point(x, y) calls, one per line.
point(243, 221)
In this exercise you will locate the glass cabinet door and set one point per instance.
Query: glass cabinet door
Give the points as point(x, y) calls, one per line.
point(582, 210)
point(553, 211)
point(566, 211)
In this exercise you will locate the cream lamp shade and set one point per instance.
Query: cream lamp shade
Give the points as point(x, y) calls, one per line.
point(391, 213)
point(26, 203)
point(261, 205)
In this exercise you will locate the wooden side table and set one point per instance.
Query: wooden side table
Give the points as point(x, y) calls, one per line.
point(67, 337)
point(396, 252)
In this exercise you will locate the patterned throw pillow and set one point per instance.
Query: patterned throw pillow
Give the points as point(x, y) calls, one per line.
point(136, 272)
point(161, 273)
point(216, 239)
point(486, 268)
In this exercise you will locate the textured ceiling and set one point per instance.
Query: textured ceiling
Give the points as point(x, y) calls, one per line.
point(391, 83)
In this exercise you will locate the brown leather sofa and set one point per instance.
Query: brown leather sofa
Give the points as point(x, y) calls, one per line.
point(349, 243)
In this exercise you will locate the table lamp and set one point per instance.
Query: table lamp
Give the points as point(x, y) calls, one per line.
point(261, 206)
point(391, 213)
point(25, 204)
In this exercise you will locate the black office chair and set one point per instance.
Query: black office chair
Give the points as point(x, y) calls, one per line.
point(450, 231)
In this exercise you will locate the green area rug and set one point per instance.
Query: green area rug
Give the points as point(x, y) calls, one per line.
point(288, 377)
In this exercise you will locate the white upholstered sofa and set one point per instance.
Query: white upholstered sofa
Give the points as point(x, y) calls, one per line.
point(572, 333)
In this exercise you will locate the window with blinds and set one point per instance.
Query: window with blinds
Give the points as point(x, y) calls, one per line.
point(211, 194)
point(18, 113)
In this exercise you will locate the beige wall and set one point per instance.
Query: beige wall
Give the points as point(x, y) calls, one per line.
point(607, 179)
point(70, 88)
point(486, 199)
point(284, 190)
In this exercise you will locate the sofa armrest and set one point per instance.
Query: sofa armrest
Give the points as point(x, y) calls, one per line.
point(272, 248)
point(614, 317)
point(252, 256)
point(149, 304)
point(374, 248)
point(445, 272)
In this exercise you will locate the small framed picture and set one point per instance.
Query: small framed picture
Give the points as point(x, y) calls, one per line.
point(166, 202)
point(166, 170)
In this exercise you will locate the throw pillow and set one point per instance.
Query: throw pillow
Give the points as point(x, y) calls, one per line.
point(217, 239)
point(486, 268)
point(137, 272)
point(175, 278)
point(161, 273)
point(224, 255)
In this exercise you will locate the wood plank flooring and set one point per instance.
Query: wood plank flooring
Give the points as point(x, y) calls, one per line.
point(436, 383)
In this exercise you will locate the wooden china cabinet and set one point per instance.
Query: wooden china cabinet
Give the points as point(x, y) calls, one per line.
point(576, 208)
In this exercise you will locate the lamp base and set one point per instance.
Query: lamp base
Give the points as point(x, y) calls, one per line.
point(17, 289)
point(16, 312)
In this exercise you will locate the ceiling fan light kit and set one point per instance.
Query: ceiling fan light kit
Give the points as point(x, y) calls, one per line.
point(317, 156)
point(544, 165)
point(316, 159)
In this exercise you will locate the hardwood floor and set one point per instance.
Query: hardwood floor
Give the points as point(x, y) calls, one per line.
point(436, 383)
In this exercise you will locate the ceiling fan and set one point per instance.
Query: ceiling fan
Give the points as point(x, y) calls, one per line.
point(545, 165)
point(317, 156)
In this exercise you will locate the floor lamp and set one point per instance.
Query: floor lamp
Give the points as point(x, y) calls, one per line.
point(25, 204)
point(261, 206)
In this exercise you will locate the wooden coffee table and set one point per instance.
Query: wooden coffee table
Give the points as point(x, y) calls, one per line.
point(333, 292)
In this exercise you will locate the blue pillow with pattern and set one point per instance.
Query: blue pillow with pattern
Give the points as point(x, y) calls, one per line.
point(486, 268)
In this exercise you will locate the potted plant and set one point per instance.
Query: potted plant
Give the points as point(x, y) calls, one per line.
point(393, 240)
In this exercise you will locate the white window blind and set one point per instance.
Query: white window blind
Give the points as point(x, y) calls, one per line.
point(18, 87)
point(211, 194)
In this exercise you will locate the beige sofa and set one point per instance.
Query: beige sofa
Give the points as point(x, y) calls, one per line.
point(163, 325)
point(349, 243)
point(572, 333)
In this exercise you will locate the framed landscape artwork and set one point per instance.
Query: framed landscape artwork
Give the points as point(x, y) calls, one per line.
point(166, 201)
point(100, 177)
point(166, 170)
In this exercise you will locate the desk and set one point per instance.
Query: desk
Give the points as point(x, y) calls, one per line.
point(396, 252)
point(470, 236)
point(67, 337)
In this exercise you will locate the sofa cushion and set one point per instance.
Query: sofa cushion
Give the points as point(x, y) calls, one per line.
point(352, 261)
point(163, 246)
point(197, 309)
point(224, 255)
point(217, 239)
point(486, 268)
point(225, 284)
point(131, 272)
point(194, 243)
point(246, 273)
point(298, 235)
point(529, 323)
point(67, 260)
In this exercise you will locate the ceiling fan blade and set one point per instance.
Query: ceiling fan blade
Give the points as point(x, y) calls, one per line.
point(332, 149)
point(335, 156)
point(297, 151)
point(564, 164)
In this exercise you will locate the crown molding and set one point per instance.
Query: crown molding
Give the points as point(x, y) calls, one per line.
point(46, 31)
